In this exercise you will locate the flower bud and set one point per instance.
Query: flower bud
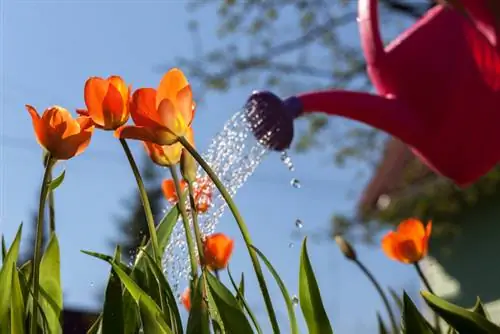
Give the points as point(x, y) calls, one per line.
point(345, 248)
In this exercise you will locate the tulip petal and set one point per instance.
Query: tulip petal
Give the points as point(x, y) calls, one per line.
point(170, 85)
point(389, 242)
point(143, 108)
point(114, 110)
point(171, 119)
point(411, 228)
point(94, 94)
point(40, 134)
point(168, 188)
point(117, 82)
point(184, 104)
point(136, 132)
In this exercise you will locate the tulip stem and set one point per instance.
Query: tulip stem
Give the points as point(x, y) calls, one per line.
point(428, 286)
point(52, 209)
point(37, 256)
point(144, 199)
point(377, 286)
point(196, 227)
point(185, 222)
point(243, 229)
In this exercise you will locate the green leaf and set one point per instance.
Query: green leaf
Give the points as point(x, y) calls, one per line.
point(147, 305)
point(17, 309)
point(96, 326)
point(480, 309)
point(198, 320)
point(10, 260)
point(397, 299)
point(112, 314)
point(310, 297)
point(463, 320)
point(56, 182)
point(152, 322)
point(4, 249)
point(294, 328)
point(413, 321)
point(381, 327)
point(173, 316)
point(241, 299)
point(51, 300)
point(232, 316)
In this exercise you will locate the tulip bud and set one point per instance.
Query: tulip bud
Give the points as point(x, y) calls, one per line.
point(188, 166)
point(345, 248)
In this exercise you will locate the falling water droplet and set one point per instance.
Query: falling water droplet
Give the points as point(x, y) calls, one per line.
point(285, 158)
point(295, 300)
point(92, 284)
point(299, 223)
point(290, 245)
point(295, 183)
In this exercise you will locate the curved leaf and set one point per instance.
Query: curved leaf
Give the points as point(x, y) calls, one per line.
point(232, 316)
point(198, 320)
point(480, 309)
point(56, 182)
point(310, 297)
point(241, 298)
point(51, 294)
point(6, 275)
point(413, 321)
point(17, 309)
point(294, 328)
point(381, 327)
point(112, 320)
point(463, 320)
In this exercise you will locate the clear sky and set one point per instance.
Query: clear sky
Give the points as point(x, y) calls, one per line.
point(49, 49)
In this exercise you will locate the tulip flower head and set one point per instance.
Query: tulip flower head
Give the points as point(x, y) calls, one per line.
point(217, 249)
point(107, 102)
point(63, 136)
point(167, 155)
point(161, 116)
point(202, 193)
point(186, 299)
point(409, 243)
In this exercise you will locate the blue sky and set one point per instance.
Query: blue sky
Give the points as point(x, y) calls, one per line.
point(49, 49)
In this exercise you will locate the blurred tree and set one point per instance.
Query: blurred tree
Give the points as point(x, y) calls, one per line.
point(132, 225)
point(295, 45)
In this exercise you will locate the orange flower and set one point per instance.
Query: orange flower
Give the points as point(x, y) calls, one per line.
point(163, 115)
point(167, 155)
point(409, 243)
point(186, 299)
point(217, 249)
point(107, 102)
point(202, 193)
point(59, 133)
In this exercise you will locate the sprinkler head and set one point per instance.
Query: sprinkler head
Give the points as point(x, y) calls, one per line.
point(271, 118)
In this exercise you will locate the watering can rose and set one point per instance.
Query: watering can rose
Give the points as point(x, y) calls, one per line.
point(217, 249)
point(409, 243)
point(161, 116)
point(107, 102)
point(63, 136)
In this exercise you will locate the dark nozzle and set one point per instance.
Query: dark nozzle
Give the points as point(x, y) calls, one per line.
point(271, 119)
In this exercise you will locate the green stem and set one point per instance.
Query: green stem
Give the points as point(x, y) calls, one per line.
point(185, 222)
point(380, 292)
point(428, 286)
point(52, 210)
point(144, 199)
point(242, 227)
point(37, 257)
point(197, 232)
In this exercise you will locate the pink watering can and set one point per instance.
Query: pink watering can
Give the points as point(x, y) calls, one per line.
point(438, 88)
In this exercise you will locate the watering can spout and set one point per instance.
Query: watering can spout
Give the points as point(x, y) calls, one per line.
point(271, 118)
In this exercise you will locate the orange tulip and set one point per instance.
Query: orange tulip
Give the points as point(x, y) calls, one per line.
point(202, 193)
point(166, 155)
point(186, 299)
point(409, 243)
point(217, 249)
point(107, 102)
point(59, 133)
point(163, 115)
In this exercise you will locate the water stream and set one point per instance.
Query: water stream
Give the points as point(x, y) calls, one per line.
point(234, 154)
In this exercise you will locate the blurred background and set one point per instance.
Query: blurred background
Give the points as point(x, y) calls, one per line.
point(353, 179)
